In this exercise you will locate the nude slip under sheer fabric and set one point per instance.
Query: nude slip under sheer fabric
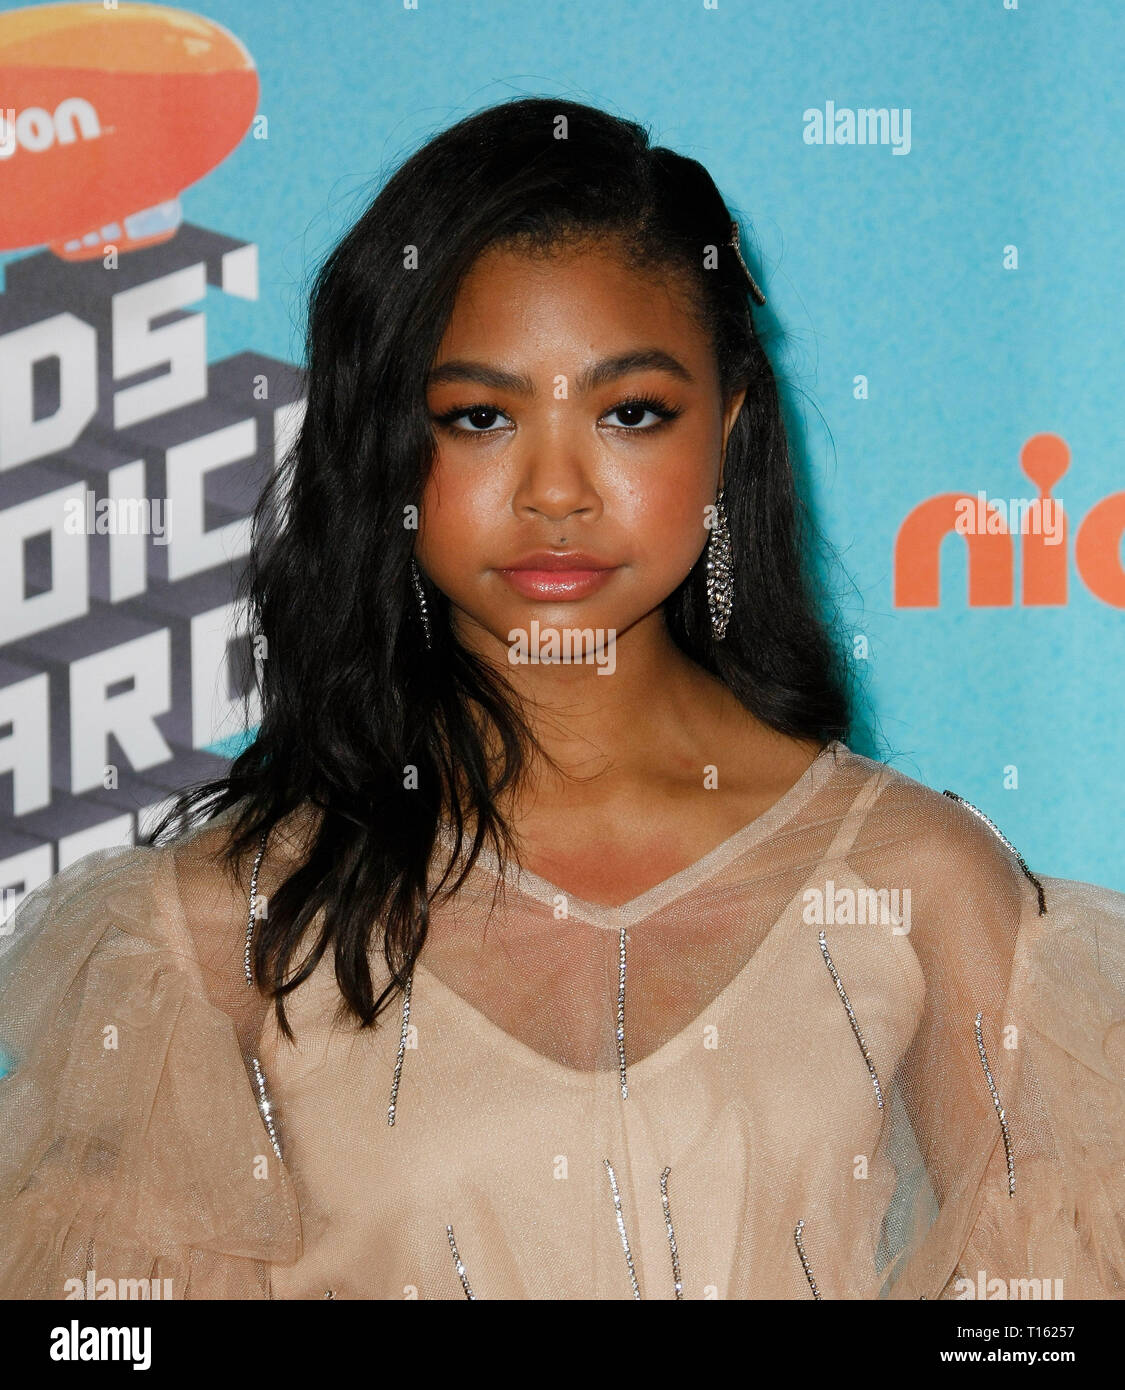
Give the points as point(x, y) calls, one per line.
point(780, 1092)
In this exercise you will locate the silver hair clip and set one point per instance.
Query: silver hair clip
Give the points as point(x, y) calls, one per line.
point(759, 297)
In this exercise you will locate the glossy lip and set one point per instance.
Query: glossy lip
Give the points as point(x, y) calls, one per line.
point(557, 560)
point(547, 574)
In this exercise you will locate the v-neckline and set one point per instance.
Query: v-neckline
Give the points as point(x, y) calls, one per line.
point(643, 905)
point(654, 1062)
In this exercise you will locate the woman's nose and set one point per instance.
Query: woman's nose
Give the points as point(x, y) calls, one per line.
point(556, 480)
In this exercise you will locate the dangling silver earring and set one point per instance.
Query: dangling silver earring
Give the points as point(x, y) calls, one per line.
point(720, 572)
point(420, 595)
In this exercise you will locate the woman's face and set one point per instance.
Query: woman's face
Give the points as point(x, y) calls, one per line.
point(577, 409)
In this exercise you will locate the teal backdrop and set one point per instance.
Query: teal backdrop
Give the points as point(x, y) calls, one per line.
point(934, 304)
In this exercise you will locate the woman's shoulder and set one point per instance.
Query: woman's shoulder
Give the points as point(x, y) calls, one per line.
point(183, 902)
point(945, 821)
point(216, 891)
point(963, 872)
point(130, 891)
point(213, 884)
point(943, 841)
point(107, 893)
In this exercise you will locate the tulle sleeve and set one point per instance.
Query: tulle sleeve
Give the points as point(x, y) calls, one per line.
point(131, 1144)
point(1006, 1115)
point(1060, 1231)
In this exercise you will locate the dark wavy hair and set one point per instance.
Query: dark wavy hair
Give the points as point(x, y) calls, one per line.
point(351, 696)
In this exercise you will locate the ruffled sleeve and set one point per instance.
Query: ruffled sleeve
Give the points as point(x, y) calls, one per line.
point(131, 1144)
point(1057, 1229)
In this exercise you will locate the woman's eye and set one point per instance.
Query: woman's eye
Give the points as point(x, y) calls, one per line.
point(632, 415)
point(482, 419)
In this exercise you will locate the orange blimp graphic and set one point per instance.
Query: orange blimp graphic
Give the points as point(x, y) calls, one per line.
point(106, 115)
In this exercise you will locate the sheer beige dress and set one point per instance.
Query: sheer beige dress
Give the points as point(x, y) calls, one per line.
point(856, 1051)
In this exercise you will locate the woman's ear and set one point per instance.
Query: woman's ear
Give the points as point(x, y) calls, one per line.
point(730, 415)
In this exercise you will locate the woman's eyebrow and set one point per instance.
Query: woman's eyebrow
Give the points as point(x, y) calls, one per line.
point(608, 369)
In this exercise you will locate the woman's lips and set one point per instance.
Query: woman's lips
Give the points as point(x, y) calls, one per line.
point(556, 583)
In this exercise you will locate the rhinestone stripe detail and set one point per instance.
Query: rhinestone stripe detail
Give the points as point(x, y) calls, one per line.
point(621, 1016)
point(840, 990)
point(459, 1266)
point(621, 1227)
point(804, 1259)
point(253, 907)
point(1004, 840)
point(677, 1282)
point(265, 1106)
point(401, 1048)
point(999, 1108)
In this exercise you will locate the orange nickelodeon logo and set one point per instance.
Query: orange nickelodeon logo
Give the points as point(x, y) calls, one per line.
point(991, 549)
point(106, 115)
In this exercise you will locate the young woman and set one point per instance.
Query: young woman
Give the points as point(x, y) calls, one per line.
point(549, 941)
